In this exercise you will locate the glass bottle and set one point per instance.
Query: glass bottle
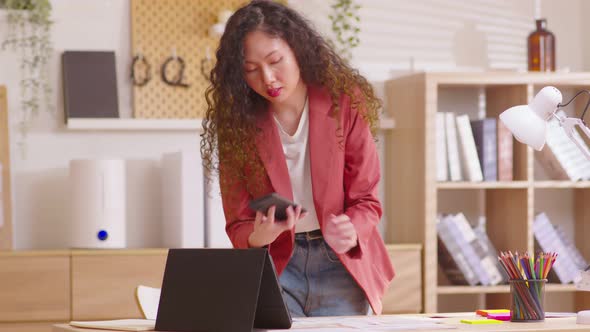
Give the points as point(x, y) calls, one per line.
point(541, 48)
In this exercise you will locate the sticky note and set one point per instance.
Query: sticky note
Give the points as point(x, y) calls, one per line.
point(485, 312)
point(504, 316)
point(481, 321)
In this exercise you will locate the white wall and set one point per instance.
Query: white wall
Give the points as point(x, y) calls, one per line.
point(393, 32)
point(40, 175)
point(399, 35)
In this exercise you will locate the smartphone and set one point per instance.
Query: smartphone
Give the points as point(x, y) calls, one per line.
point(263, 203)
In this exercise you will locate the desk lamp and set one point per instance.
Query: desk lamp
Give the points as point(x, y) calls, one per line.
point(528, 124)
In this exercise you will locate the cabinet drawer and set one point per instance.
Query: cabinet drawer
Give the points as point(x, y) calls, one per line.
point(405, 291)
point(34, 288)
point(103, 286)
point(28, 327)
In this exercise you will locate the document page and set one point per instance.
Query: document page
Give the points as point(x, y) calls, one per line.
point(118, 324)
point(366, 323)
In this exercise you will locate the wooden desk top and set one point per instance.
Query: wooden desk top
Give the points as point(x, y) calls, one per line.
point(550, 324)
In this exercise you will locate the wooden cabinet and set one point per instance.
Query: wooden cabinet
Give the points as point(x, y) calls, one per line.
point(414, 197)
point(104, 282)
point(404, 294)
point(34, 286)
point(41, 288)
point(28, 327)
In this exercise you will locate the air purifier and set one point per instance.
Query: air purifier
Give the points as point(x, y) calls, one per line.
point(97, 203)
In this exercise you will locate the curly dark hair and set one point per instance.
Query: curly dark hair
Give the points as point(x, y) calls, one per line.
point(229, 126)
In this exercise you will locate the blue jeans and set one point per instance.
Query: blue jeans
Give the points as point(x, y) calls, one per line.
point(315, 283)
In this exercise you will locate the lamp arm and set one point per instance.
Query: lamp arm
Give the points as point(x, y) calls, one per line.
point(569, 125)
point(561, 105)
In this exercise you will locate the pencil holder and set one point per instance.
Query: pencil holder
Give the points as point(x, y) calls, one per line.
point(527, 300)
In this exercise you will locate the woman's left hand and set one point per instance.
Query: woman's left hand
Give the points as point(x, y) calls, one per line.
point(340, 234)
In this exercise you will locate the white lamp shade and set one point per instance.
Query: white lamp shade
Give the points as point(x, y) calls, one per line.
point(526, 126)
point(528, 123)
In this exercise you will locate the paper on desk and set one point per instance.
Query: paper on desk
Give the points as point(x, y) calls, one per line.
point(453, 315)
point(118, 324)
point(366, 323)
point(549, 314)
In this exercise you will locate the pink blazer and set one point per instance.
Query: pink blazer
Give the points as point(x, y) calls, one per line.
point(345, 175)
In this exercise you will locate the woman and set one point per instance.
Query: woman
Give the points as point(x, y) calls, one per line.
point(286, 114)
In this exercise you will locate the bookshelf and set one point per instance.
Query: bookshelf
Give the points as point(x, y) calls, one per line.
point(414, 197)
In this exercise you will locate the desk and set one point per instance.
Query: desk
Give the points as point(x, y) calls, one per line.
point(550, 324)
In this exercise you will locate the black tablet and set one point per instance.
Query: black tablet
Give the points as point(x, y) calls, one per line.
point(200, 291)
point(263, 203)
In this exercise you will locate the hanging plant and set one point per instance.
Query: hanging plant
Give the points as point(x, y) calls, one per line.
point(345, 25)
point(29, 34)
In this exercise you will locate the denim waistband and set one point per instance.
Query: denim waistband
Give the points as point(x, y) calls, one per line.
point(316, 234)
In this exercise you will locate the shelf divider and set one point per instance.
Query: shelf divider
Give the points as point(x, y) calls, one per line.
point(450, 290)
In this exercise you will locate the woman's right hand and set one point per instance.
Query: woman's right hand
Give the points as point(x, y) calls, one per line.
point(267, 229)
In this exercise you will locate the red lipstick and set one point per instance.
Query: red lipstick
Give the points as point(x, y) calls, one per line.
point(275, 92)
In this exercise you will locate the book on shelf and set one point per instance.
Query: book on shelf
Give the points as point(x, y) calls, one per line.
point(493, 266)
point(464, 235)
point(572, 251)
point(90, 84)
point(465, 245)
point(451, 257)
point(561, 158)
point(576, 164)
point(452, 147)
point(505, 152)
point(485, 258)
point(442, 167)
point(467, 150)
point(485, 137)
point(549, 240)
point(551, 165)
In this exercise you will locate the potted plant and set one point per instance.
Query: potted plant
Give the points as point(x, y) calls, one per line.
point(345, 21)
point(29, 34)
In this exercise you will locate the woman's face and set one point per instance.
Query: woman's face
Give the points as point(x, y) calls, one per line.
point(270, 67)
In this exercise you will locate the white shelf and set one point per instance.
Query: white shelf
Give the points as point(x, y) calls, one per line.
point(134, 124)
point(561, 184)
point(158, 124)
point(483, 185)
point(451, 290)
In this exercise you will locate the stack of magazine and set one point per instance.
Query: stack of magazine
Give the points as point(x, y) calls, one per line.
point(550, 237)
point(561, 159)
point(466, 254)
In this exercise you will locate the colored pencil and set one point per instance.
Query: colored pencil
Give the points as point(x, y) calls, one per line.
point(527, 274)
